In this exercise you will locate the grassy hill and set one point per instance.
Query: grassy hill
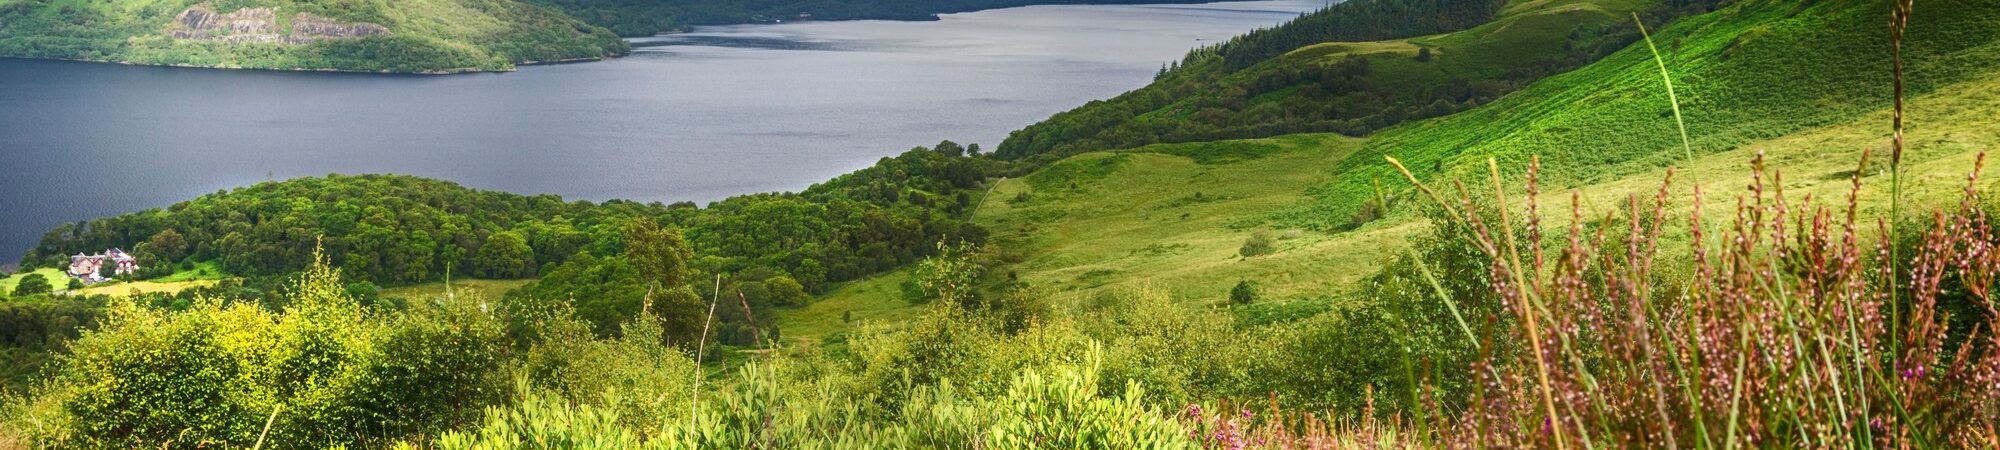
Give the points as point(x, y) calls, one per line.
point(427, 36)
point(1752, 77)
point(1337, 70)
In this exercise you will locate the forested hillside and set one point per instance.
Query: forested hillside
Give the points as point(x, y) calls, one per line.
point(394, 230)
point(371, 36)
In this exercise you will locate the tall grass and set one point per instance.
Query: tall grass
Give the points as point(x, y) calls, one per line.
point(1780, 336)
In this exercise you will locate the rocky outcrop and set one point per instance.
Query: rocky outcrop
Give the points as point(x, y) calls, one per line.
point(260, 26)
point(307, 27)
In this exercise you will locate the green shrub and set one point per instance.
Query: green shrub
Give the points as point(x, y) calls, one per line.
point(212, 375)
point(1244, 293)
point(1259, 244)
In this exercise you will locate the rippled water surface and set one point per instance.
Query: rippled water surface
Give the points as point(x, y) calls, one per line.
point(697, 116)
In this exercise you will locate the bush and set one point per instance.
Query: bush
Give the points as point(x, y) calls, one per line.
point(213, 375)
point(1259, 244)
point(1244, 293)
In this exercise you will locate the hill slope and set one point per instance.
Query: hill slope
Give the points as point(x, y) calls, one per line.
point(1752, 77)
point(1346, 69)
point(418, 36)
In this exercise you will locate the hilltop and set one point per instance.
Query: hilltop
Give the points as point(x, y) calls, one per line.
point(405, 36)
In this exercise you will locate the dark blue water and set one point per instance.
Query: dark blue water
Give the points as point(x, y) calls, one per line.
point(698, 116)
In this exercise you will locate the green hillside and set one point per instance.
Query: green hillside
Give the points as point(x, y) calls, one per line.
point(420, 36)
point(1340, 70)
point(1752, 76)
point(1752, 71)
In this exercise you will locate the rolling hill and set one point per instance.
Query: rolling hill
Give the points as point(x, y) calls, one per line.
point(1753, 77)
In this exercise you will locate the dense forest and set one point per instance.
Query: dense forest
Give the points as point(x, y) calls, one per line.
point(393, 230)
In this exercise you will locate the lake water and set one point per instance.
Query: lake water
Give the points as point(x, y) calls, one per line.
point(697, 116)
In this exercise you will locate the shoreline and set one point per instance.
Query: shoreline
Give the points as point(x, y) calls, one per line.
point(457, 71)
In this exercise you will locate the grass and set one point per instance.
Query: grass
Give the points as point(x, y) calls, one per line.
point(202, 275)
point(54, 276)
point(1131, 226)
point(1749, 73)
point(208, 270)
point(143, 287)
point(878, 299)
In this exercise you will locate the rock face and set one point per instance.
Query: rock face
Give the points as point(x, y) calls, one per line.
point(307, 27)
point(260, 26)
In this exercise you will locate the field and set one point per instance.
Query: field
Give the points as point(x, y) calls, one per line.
point(54, 276)
point(876, 300)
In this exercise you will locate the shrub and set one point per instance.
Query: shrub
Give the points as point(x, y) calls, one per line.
point(212, 375)
point(1244, 293)
point(1259, 244)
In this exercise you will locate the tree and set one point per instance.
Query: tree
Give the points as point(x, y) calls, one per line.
point(1424, 54)
point(166, 247)
point(660, 254)
point(786, 291)
point(1244, 293)
point(33, 284)
point(505, 255)
point(75, 284)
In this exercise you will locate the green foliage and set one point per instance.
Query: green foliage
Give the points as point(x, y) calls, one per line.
point(1260, 243)
point(395, 230)
point(1064, 409)
point(32, 329)
point(660, 254)
point(1244, 293)
point(214, 373)
point(32, 284)
point(950, 276)
point(784, 291)
point(505, 255)
point(427, 36)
